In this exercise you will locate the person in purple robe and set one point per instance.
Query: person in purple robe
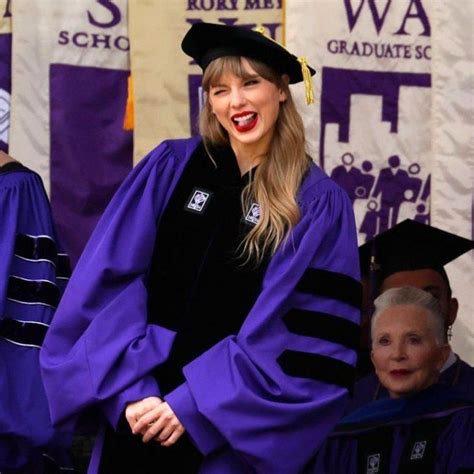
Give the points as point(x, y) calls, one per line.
point(212, 320)
point(424, 427)
point(33, 274)
point(413, 254)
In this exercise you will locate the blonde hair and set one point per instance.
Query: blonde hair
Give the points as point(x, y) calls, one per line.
point(279, 175)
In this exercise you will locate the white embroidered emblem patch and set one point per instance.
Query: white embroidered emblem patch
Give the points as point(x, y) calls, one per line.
point(198, 201)
point(373, 463)
point(418, 450)
point(254, 214)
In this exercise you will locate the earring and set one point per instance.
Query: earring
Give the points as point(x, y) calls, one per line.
point(450, 332)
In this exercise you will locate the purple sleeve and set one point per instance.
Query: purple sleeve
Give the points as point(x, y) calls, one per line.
point(274, 391)
point(24, 209)
point(100, 349)
point(25, 214)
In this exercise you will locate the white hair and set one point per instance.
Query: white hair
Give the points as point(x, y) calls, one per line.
point(409, 295)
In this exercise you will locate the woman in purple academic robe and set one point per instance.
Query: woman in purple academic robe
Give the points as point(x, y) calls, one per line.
point(213, 317)
point(33, 274)
point(424, 427)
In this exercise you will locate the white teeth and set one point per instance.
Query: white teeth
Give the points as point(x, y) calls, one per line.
point(244, 118)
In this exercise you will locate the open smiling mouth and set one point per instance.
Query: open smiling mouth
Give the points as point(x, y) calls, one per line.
point(244, 123)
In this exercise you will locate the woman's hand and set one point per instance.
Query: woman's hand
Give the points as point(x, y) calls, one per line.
point(160, 423)
point(136, 410)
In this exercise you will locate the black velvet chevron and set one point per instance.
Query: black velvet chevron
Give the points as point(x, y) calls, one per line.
point(331, 285)
point(63, 266)
point(33, 291)
point(27, 333)
point(36, 248)
point(323, 326)
point(317, 367)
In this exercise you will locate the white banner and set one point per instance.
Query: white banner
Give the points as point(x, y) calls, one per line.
point(167, 82)
point(70, 74)
point(453, 149)
point(380, 130)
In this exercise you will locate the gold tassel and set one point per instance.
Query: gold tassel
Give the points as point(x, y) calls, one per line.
point(308, 83)
point(129, 118)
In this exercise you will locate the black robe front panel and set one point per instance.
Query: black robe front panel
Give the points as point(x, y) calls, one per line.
point(198, 285)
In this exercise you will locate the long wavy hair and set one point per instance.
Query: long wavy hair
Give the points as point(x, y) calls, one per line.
point(277, 178)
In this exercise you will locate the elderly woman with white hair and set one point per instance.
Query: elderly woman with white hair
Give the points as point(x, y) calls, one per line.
point(424, 427)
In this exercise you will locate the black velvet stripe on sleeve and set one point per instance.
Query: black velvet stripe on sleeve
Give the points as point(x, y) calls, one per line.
point(331, 285)
point(63, 266)
point(25, 333)
point(36, 248)
point(317, 367)
point(323, 326)
point(33, 291)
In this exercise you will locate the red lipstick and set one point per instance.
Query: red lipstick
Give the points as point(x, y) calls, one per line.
point(399, 372)
point(244, 121)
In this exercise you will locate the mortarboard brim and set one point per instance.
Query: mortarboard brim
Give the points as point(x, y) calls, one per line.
point(411, 245)
point(205, 42)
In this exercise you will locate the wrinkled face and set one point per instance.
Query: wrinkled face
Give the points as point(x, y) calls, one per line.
point(405, 353)
point(247, 108)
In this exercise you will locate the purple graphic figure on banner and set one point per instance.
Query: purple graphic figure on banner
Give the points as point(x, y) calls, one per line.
point(369, 224)
point(413, 184)
point(425, 194)
point(366, 181)
point(355, 183)
point(422, 217)
point(346, 175)
point(391, 186)
point(5, 88)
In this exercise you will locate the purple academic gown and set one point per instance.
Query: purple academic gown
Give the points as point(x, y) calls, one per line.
point(257, 401)
point(459, 375)
point(430, 433)
point(32, 278)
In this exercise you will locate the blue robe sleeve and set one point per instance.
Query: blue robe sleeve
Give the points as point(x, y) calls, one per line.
point(100, 349)
point(271, 394)
point(30, 289)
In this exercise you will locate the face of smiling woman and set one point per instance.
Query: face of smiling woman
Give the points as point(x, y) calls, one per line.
point(247, 108)
point(405, 352)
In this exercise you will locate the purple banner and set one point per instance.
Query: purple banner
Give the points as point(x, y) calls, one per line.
point(91, 153)
point(5, 88)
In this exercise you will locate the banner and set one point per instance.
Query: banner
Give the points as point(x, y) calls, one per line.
point(70, 75)
point(375, 129)
point(167, 83)
point(453, 148)
point(5, 72)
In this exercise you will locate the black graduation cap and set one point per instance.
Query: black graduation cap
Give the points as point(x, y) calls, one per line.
point(205, 42)
point(408, 246)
